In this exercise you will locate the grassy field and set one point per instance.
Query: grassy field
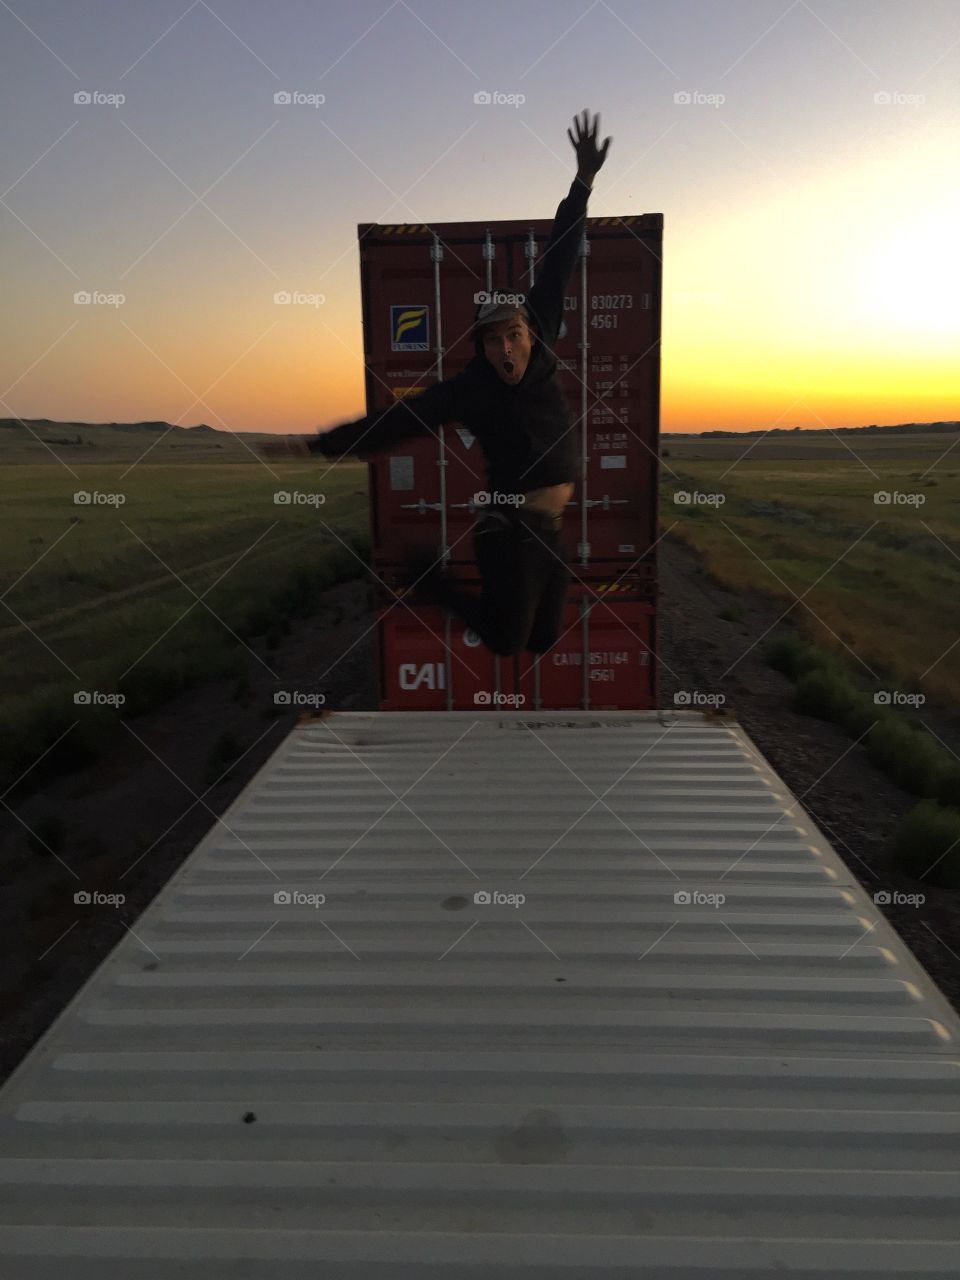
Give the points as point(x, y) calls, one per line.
point(102, 596)
point(799, 518)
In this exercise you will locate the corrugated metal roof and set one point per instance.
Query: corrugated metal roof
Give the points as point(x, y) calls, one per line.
point(599, 1081)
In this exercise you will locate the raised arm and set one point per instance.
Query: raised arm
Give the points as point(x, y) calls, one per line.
point(546, 297)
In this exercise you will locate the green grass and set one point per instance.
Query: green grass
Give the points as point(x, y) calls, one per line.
point(161, 593)
point(928, 844)
point(873, 577)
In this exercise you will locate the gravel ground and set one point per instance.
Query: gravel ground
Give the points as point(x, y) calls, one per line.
point(133, 817)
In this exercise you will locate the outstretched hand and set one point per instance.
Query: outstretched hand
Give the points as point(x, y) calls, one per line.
point(590, 157)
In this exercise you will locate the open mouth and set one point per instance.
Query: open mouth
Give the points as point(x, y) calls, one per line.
point(508, 365)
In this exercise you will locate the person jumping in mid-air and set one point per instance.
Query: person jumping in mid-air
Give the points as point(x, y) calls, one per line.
point(509, 398)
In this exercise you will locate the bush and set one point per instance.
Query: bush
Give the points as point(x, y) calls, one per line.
point(928, 844)
point(909, 756)
point(791, 654)
point(862, 713)
point(186, 658)
point(825, 693)
point(38, 740)
point(947, 786)
point(732, 612)
point(906, 753)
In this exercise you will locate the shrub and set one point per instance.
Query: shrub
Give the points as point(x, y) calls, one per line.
point(908, 755)
point(928, 844)
point(791, 654)
point(823, 692)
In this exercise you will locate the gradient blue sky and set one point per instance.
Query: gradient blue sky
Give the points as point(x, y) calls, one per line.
point(811, 267)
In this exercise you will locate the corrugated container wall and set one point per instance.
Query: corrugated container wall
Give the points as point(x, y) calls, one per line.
point(418, 285)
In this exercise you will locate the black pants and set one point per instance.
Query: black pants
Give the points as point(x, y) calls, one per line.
point(522, 567)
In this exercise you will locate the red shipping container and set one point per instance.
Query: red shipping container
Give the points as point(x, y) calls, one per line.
point(418, 289)
point(430, 661)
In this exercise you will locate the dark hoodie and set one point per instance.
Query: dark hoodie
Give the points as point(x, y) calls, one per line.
point(524, 430)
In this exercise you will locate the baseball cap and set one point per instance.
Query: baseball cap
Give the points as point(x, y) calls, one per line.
point(494, 311)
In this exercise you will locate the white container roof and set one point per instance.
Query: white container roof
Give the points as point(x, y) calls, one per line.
point(586, 1076)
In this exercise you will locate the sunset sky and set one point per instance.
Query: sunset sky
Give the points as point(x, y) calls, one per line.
point(811, 232)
